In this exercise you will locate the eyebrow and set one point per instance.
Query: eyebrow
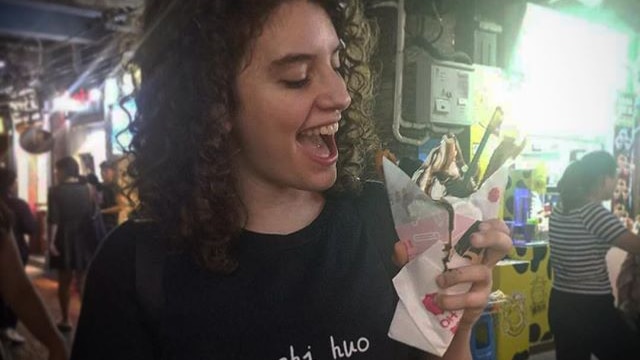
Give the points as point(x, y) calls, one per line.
point(297, 58)
point(291, 59)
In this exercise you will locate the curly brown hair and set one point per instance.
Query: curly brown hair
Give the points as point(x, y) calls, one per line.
point(181, 164)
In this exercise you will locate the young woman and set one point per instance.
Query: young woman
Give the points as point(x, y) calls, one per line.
point(250, 152)
point(582, 315)
point(72, 238)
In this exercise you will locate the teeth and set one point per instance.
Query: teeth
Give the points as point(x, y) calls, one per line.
point(318, 142)
point(323, 130)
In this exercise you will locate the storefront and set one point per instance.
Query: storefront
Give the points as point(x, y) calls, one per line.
point(562, 99)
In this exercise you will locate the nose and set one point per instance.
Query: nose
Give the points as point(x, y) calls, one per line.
point(334, 95)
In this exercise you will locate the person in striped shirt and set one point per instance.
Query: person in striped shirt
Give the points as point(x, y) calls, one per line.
point(582, 313)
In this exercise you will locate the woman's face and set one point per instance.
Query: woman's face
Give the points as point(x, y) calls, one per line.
point(290, 101)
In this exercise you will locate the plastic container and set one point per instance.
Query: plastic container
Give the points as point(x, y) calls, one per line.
point(483, 340)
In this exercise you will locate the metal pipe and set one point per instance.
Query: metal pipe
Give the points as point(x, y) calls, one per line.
point(392, 4)
point(397, 94)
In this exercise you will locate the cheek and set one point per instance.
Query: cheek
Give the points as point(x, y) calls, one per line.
point(277, 120)
point(259, 134)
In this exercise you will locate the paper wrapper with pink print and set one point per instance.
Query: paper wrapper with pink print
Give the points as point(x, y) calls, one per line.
point(418, 321)
point(423, 226)
point(484, 203)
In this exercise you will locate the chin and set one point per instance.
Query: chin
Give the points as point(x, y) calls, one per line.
point(325, 186)
point(323, 183)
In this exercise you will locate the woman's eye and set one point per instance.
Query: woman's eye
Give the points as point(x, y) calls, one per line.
point(296, 84)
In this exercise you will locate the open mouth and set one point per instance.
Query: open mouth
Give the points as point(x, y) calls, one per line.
point(320, 141)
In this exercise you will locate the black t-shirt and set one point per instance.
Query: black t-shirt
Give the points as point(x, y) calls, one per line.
point(323, 292)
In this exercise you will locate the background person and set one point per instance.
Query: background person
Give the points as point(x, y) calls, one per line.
point(269, 259)
point(24, 230)
point(18, 292)
point(628, 283)
point(582, 314)
point(113, 200)
point(72, 237)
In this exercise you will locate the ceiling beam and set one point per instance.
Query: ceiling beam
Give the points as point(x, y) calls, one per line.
point(46, 21)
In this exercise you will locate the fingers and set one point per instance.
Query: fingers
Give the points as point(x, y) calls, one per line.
point(478, 294)
point(400, 254)
point(493, 236)
point(494, 224)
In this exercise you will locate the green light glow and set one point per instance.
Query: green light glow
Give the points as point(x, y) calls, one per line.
point(571, 70)
point(591, 3)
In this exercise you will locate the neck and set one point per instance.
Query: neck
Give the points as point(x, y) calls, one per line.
point(280, 212)
point(597, 196)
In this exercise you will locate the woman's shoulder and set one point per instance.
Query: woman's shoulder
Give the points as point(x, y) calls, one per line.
point(134, 229)
point(69, 187)
point(121, 243)
point(371, 196)
point(373, 193)
point(593, 208)
point(586, 209)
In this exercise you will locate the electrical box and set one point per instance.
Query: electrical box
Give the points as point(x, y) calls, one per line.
point(443, 91)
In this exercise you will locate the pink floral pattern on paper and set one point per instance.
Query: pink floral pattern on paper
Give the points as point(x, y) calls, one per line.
point(429, 303)
point(447, 319)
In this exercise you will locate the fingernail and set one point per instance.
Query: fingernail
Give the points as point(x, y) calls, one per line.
point(441, 281)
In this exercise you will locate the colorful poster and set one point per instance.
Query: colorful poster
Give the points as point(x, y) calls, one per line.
point(622, 151)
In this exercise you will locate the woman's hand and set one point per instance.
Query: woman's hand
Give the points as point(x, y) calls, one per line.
point(492, 236)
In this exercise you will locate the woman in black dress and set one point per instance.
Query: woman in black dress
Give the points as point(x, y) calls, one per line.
point(72, 240)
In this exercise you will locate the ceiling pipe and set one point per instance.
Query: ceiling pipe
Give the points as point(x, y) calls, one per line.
point(54, 22)
point(57, 8)
point(398, 121)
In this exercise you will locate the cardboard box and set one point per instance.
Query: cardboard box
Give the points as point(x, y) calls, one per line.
point(539, 289)
point(512, 318)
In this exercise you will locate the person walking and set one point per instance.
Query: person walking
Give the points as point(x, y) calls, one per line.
point(582, 314)
point(72, 236)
